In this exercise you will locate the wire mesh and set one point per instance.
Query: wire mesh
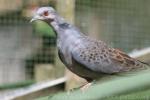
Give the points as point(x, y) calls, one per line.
point(22, 46)
point(123, 24)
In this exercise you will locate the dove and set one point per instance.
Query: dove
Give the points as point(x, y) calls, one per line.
point(88, 58)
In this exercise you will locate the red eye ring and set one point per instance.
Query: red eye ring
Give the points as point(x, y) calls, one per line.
point(45, 13)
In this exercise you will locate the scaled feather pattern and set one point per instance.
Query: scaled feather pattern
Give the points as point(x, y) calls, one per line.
point(89, 58)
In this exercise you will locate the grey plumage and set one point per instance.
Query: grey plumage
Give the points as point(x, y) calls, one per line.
point(86, 57)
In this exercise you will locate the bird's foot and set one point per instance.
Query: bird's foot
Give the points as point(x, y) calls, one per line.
point(85, 87)
point(70, 90)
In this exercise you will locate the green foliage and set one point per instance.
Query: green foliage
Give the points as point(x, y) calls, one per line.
point(43, 29)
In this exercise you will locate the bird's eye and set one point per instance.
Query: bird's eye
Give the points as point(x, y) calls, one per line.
point(45, 13)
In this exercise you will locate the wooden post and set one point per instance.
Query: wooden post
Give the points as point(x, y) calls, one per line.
point(66, 9)
point(44, 72)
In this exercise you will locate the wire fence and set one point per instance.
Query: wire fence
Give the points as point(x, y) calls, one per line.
point(22, 45)
point(123, 24)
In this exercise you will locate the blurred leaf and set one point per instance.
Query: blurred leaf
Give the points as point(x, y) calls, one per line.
point(43, 29)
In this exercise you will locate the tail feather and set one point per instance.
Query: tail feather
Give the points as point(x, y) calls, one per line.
point(144, 63)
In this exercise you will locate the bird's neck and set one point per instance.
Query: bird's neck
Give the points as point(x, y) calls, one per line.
point(68, 37)
point(63, 28)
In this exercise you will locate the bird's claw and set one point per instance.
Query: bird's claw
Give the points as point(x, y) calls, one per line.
point(85, 87)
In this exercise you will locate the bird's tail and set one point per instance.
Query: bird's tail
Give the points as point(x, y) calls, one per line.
point(144, 63)
point(145, 67)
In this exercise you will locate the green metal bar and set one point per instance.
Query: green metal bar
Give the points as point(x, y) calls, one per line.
point(142, 95)
point(116, 87)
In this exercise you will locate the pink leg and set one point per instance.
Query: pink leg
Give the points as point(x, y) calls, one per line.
point(85, 87)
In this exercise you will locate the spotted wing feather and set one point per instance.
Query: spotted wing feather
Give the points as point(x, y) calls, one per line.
point(97, 56)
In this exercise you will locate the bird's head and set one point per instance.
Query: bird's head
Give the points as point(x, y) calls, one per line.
point(44, 14)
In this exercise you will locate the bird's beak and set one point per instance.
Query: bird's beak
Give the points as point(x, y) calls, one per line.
point(36, 17)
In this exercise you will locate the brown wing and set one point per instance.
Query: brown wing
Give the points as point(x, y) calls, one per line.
point(124, 60)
